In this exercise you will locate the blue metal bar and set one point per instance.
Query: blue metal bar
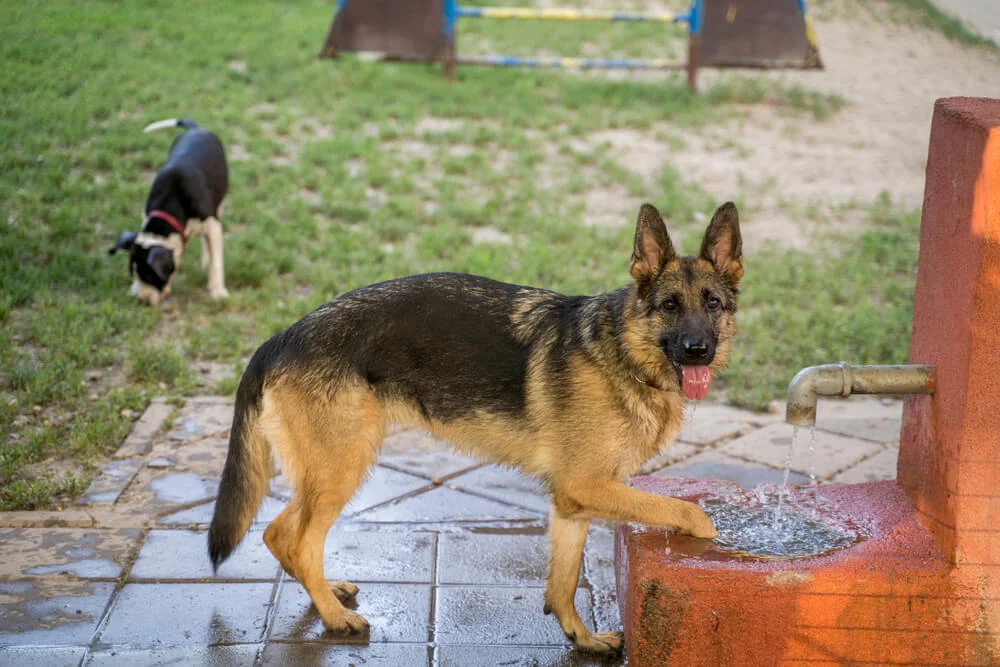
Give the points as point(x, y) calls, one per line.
point(694, 17)
point(567, 14)
point(568, 63)
point(451, 10)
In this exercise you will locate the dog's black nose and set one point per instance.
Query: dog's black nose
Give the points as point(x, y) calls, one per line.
point(696, 350)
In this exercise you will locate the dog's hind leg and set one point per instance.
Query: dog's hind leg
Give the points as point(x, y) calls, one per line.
point(216, 272)
point(327, 448)
point(567, 538)
point(205, 252)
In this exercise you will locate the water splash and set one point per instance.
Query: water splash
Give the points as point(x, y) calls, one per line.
point(783, 491)
point(747, 527)
point(812, 455)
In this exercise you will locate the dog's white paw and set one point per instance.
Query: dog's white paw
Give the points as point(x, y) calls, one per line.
point(221, 293)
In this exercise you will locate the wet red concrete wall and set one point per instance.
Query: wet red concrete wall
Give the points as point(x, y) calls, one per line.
point(949, 460)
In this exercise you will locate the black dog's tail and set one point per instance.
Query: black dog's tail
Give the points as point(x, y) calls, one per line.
point(249, 464)
point(186, 123)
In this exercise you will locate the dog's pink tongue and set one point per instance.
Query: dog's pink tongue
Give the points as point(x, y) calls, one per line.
point(697, 379)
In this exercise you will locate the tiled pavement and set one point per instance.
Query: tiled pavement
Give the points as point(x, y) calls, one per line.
point(449, 553)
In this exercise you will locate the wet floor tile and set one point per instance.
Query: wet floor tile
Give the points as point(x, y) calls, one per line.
point(82, 552)
point(205, 457)
point(334, 655)
point(771, 444)
point(859, 407)
point(714, 464)
point(183, 554)
point(396, 612)
point(500, 615)
point(41, 657)
point(477, 558)
point(51, 612)
point(419, 453)
point(167, 615)
point(505, 485)
point(381, 486)
point(599, 555)
point(206, 656)
point(879, 467)
point(490, 656)
point(674, 453)
point(706, 423)
point(182, 487)
point(156, 491)
point(201, 515)
point(379, 556)
point(443, 505)
point(112, 480)
point(880, 430)
point(599, 571)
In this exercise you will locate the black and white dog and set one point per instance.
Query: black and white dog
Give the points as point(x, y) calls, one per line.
point(185, 200)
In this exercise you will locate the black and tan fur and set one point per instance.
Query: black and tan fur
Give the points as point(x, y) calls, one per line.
point(578, 391)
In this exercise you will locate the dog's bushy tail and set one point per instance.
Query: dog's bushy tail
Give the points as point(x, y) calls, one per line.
point(186, 123)
point(249, 464)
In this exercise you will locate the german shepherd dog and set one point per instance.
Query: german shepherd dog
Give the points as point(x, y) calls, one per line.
point(576, 390)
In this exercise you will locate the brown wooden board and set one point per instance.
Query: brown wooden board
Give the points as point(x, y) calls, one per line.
point(755, 33)
point(409, 29)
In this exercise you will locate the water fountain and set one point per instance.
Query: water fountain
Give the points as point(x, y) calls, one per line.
point(913, 575)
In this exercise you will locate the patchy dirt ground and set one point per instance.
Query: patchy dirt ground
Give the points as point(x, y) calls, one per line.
point(795, 174)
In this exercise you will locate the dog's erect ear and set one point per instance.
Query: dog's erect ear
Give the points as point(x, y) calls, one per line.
point(161, 260)
point(125, 242)
point(653, 248)
point(723, 245)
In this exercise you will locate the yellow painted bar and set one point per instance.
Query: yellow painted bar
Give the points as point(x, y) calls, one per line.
point(563, 14)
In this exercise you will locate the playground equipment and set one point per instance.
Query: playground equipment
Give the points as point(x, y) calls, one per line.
point(722, 33)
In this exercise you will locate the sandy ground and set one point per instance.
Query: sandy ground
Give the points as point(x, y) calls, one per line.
point(796, 175)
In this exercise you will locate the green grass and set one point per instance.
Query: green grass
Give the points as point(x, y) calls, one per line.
point(338, 179)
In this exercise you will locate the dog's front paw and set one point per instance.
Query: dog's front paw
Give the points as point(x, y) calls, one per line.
point(600, 643)
point(344, 590)
point(220, 293)
point(697, 523)
point(347, 622)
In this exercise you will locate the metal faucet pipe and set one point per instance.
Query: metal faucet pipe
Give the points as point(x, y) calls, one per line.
point(842, 379)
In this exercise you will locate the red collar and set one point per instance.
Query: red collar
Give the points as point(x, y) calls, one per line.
point(169, 219)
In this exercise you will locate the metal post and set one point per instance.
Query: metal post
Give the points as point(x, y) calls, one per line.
point(450, 9)
point(694, 37)
point(329, 49)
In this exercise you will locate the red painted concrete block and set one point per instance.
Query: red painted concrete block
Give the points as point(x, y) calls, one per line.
point(890, 598)
point(924, 586)
point(949, 460)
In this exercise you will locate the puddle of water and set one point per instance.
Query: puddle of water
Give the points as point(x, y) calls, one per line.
point(89, 568)
point(105, 497)
point(749, 525)
point(183, 487)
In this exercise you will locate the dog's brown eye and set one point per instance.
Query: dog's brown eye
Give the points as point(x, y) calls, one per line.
point(713, 303)
point(670, 305)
